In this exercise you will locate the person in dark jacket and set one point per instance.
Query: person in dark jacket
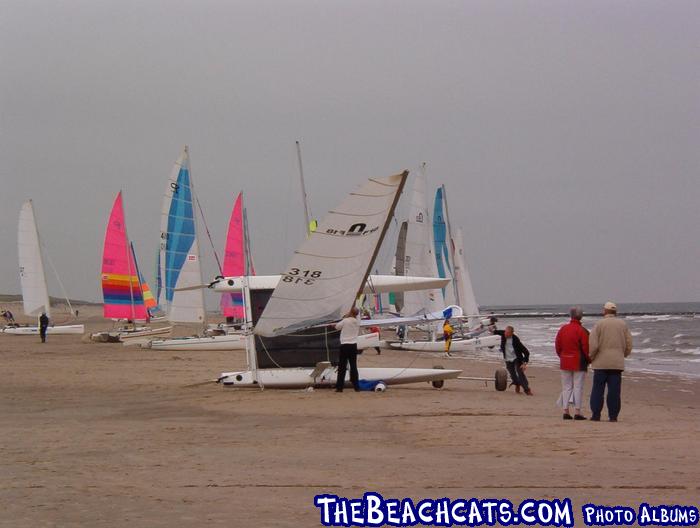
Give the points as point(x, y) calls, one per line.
point(571, 346)
point(43, 326)
point(517, 357)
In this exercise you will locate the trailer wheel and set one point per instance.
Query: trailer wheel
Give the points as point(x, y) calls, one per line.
point(501, 379)
point(438, 384)
point(380, 387)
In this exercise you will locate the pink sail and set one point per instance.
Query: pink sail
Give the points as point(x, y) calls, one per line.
point(234, 260)
point(121, 289)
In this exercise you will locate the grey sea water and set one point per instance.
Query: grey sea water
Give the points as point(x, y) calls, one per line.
point(666, 336)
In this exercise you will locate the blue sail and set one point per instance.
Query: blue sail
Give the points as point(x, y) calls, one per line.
point(442, 253)
point(180, 272)
point(181, 231)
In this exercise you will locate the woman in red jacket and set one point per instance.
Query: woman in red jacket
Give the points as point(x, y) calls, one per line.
point(572, 348)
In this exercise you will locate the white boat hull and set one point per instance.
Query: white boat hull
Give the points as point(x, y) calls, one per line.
point(223, 342)
point(34, 330)
point(458, 345)
point(131, 336)
point(298, 378)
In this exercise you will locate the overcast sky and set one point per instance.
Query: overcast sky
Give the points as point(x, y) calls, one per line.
point(567, 133)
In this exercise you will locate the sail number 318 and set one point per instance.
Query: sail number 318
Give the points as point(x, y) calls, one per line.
point(297, 276)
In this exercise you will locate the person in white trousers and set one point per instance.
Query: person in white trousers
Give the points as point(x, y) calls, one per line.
point(572, 348)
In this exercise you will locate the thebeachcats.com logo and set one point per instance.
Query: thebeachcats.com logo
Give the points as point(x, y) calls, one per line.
point(374, 510)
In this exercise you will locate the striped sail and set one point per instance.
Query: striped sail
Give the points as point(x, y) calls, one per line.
point(157, 278)
point(148, 299)
point(35, 295)
point(121, 289)
point(329, 270)
point(179, 250)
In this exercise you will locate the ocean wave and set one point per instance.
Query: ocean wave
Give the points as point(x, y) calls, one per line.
point(690, 351)
point(653, 318)
point(646, 350)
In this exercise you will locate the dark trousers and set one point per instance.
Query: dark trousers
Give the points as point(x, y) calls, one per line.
point(517, 374)
point(613, 379)
point(42, 333)
point(348, 354)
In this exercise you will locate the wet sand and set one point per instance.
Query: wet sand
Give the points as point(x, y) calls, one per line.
point(102, 435)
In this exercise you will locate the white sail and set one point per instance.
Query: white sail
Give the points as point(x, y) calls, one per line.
point(465, 291)
point(419, 259)
point(31, 266)
point(179, 250)
point(330, 268)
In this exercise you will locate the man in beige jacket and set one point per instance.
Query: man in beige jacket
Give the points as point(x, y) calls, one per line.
point(610, 343)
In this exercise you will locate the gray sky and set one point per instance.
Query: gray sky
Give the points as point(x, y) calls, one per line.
point(567, 133)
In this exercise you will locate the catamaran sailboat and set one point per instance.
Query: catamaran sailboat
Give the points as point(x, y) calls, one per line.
point(448, 261)
point(124, 292)
point(292, 344)
point(180, 269)
point(35, 295)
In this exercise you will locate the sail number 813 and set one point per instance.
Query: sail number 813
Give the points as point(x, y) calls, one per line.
point(296, 276)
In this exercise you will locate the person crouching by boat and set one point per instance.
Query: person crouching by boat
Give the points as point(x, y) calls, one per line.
point(43, 326)
point(9, 318)
point(517, 357)
point(571, 346)
point(349, 328)
point(447, 333)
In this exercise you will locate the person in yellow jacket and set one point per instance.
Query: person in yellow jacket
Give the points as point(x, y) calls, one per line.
point(447, 332)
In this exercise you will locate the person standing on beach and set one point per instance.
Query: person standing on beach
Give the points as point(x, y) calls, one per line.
point(43, 326)
point(349, 328)
point(571, 346)
point(610, 343)
point(517, 357)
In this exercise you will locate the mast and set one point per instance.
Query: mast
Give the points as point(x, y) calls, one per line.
point(128, 261)
point(247, 267)
point(196, 238)
point(138, 278)
point(307, 216)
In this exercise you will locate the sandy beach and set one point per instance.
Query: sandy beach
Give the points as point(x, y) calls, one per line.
point(102, 435)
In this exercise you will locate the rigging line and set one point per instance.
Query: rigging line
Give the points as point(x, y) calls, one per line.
point(206, 228)
point(58, 279)
point(268, 353)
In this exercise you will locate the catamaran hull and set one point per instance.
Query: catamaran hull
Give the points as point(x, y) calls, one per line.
point(55, 330)
point(137, 336)
point(224, 342)
point(458, 345)
point(299, 378)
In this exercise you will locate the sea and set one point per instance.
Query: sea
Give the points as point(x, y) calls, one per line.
point(666, 336)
